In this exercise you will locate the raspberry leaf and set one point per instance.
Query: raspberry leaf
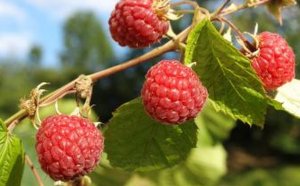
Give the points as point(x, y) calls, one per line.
point(204, 166)
point(232, 84)
point(206, 163)
point(289, 95)
point(135, 142)
point(11, 158)
point(214, 127)
point(2, 126)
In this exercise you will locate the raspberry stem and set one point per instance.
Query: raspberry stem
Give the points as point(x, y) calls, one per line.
point(171, 45)
point(219, 10)
point(185, 11)
point(185, 2)
point(249, 46)
point(34, 171)
point(231, 10)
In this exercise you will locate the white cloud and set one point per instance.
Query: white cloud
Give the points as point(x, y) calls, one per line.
point(11, 11)
point(14, 39)
point(63, 8)
point(14, 44)
point(18, 35)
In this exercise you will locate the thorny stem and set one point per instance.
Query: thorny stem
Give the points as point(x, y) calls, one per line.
point(239, 33)
point(185, 11)
point(34, 171)
point(185, 2)
point(219, 10)
point(21, 114)
point(230, 24)
point(231, 10)
point(194, 4)
point(222, 27)
point(86, 106)
point(171, 45)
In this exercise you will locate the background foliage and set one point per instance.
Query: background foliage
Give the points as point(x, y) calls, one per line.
point(229, 153)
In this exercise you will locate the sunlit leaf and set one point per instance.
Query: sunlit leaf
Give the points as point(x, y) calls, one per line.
point(134, 141)
point(232, 84)
point(214, 127)
point(289, 96)
point(11, 158)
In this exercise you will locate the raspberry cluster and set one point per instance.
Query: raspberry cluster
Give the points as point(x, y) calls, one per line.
point(172, 92)
point(135, 23)
point(275, 62)
point(68, 146)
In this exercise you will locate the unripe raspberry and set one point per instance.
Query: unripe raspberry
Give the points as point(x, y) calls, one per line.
point(173, 93)
point(68, 146)
point(275, 61)
point(138, 23)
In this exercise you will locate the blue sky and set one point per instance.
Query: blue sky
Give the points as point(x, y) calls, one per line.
point(27, 22)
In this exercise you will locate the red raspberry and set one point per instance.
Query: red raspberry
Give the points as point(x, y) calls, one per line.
point(172, 92)
point(137, 24)
point(275, 62)
point(68, 146)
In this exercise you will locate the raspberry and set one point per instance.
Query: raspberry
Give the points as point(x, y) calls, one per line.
point(275, 62)
point(138, 23)
point(68, 146)
point(172, 92)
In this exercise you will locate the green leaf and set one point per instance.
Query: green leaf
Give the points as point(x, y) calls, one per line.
point(276, 104)
point(11, 158)
point(231, 82)
point(280, 175)
point(214, 127)
point(204, 167)
point(133, 141)
point(289, 96)
point(2, 126)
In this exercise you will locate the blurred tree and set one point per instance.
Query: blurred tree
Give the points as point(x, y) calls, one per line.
point(85, 43)
point(35, 55)
point(14, 85)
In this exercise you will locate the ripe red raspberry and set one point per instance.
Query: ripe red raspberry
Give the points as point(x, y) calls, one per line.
point(172, 92)
point(68, 146)
point(138, 23)
point(275, 62)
